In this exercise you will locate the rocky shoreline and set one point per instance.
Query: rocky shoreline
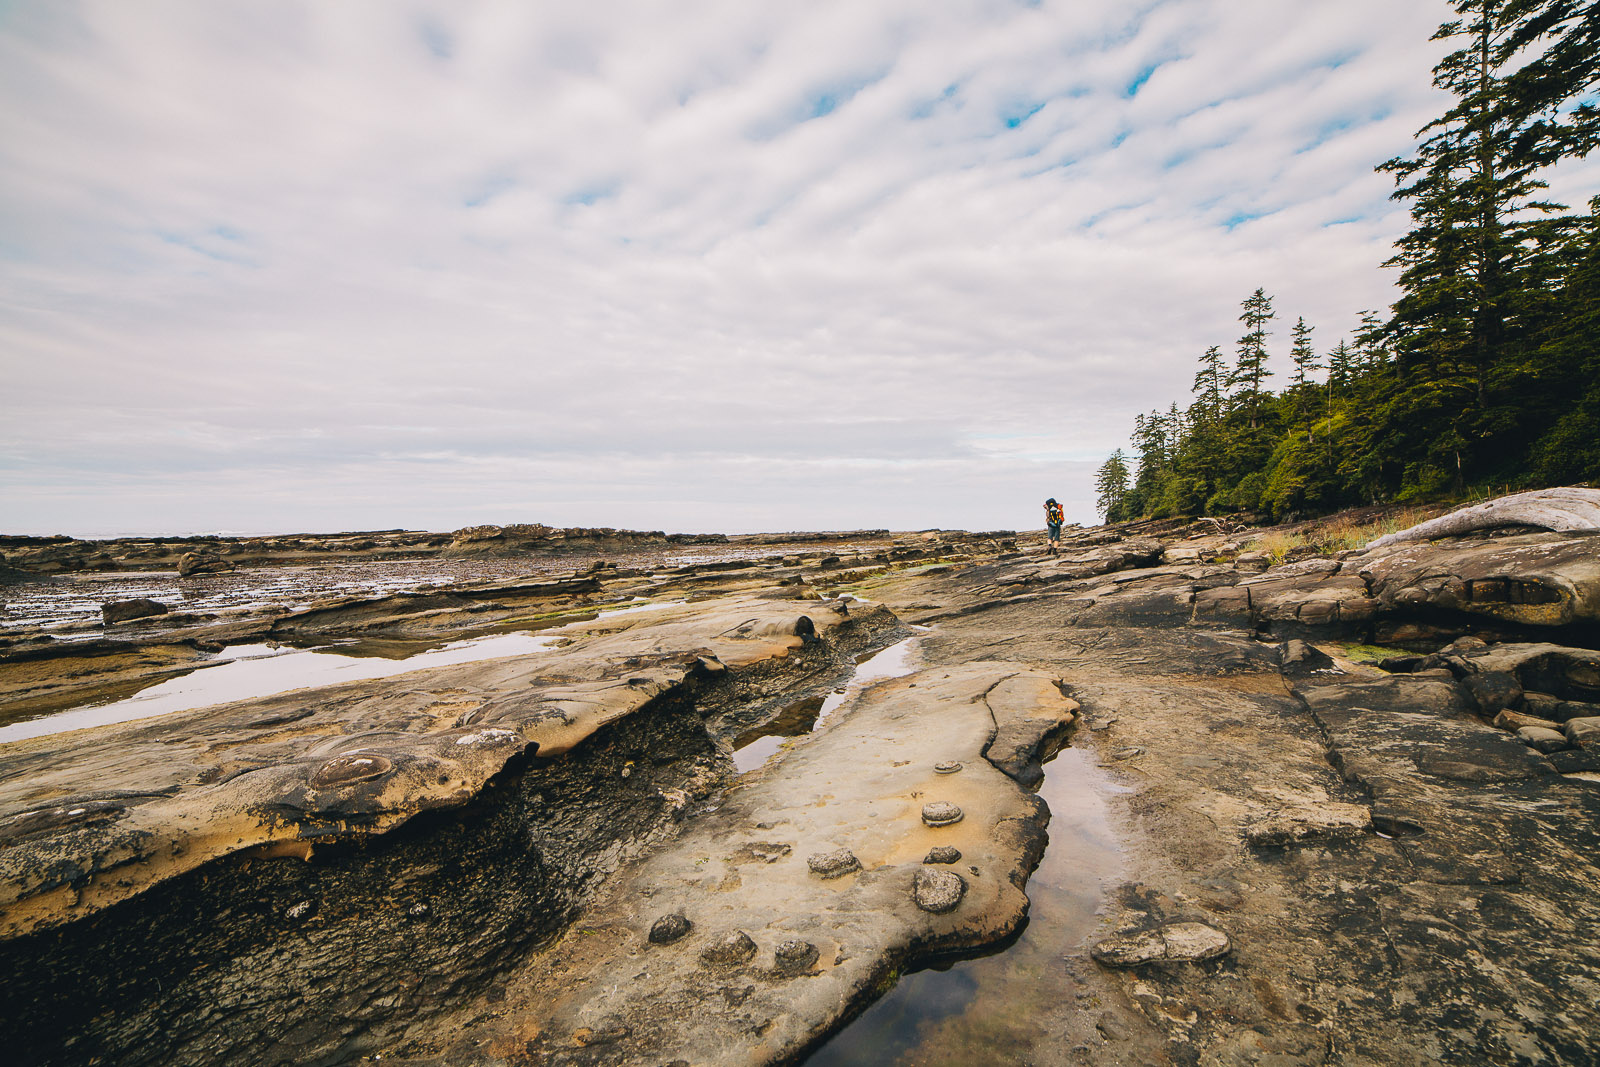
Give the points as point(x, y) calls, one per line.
point(22, 556)
point(552, 858)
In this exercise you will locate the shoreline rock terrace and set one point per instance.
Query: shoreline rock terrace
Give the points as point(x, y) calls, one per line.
point(553, 859)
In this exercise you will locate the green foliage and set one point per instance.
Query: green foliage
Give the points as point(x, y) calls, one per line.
point(1487, 369)
point(1111, 483)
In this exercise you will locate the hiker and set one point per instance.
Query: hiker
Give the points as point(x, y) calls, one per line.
point(1052, 525)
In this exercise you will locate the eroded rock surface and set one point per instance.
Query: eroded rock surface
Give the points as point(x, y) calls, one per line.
point(550, 860)
point(368, 852)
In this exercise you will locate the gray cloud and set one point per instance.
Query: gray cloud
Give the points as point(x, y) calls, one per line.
point(707, 266)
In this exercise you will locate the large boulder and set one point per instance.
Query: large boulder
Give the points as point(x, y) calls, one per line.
point(1567, 508)
point(1540, 579)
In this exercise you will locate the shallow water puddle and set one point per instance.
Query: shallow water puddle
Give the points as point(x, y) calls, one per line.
point(753, 749)
point(984, 1010)
point(243, 672)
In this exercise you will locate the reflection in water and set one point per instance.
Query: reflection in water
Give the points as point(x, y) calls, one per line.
point(982, 1010)
point(752, 749)
point(243, 672)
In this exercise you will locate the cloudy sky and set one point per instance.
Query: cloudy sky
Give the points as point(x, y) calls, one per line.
point(273, 266)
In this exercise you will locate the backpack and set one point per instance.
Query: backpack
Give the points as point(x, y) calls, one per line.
point(1052, 514)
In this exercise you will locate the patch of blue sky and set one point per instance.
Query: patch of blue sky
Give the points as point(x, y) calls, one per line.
point(1239, 218)
point(436, 38)
point(1018, 114)
point(487, 188)
point(926, 108)
point(593, 193)
point(1327, 132)
point(220, 243)
point(1140, 79)
point(820, 103)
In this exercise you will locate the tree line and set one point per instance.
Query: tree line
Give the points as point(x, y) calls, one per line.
point(1486, 370)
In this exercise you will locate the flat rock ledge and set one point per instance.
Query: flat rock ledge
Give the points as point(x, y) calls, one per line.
point(365, 856)
point(848, 801)
point(1186, 942)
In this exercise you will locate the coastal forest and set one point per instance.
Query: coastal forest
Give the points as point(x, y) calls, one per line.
point(1486, 370)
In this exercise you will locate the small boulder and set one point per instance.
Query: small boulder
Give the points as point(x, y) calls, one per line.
point(115, 611)
point(943, 854)
point(1543, 739)
point(941, 813)
point(192, 563)
point(937, 891)
point(669, 928)
point(1516, 720)
point(1188, 942)
point(794, 957)
point(835, 864)
point(1584, 731)
point(1493, 691)
point(730, 950)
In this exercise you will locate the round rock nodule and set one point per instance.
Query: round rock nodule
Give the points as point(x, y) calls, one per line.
point(730, 950)
point(943, 854)
point(793, 957)
point(949, 766)
point(941, 813)
point(833, 864)
point(669, 928)
point(937, 891)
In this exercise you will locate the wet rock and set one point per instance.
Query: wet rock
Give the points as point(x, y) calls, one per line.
point(941, 813)
point(835, 864)
point(115, 611)
point(937, 891)
point(794, 957)
point(947, 767)
point(730, 950)
point(1545, 740)
point(669, 928)
point(943, 854)
point(1189, 942)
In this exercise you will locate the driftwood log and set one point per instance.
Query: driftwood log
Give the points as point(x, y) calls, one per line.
point(1563, 509)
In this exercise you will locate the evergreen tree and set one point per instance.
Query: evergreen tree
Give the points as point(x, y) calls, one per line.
point(1370, 353)
point(1341, 367)
point(1250, 367)
point(1111, 483)
point(1301, 386)
point(1209, 381)
point(1303, 355)
point(1477, 266)
point(1565, 70)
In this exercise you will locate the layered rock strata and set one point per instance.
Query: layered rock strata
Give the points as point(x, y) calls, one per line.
point(278, 880)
